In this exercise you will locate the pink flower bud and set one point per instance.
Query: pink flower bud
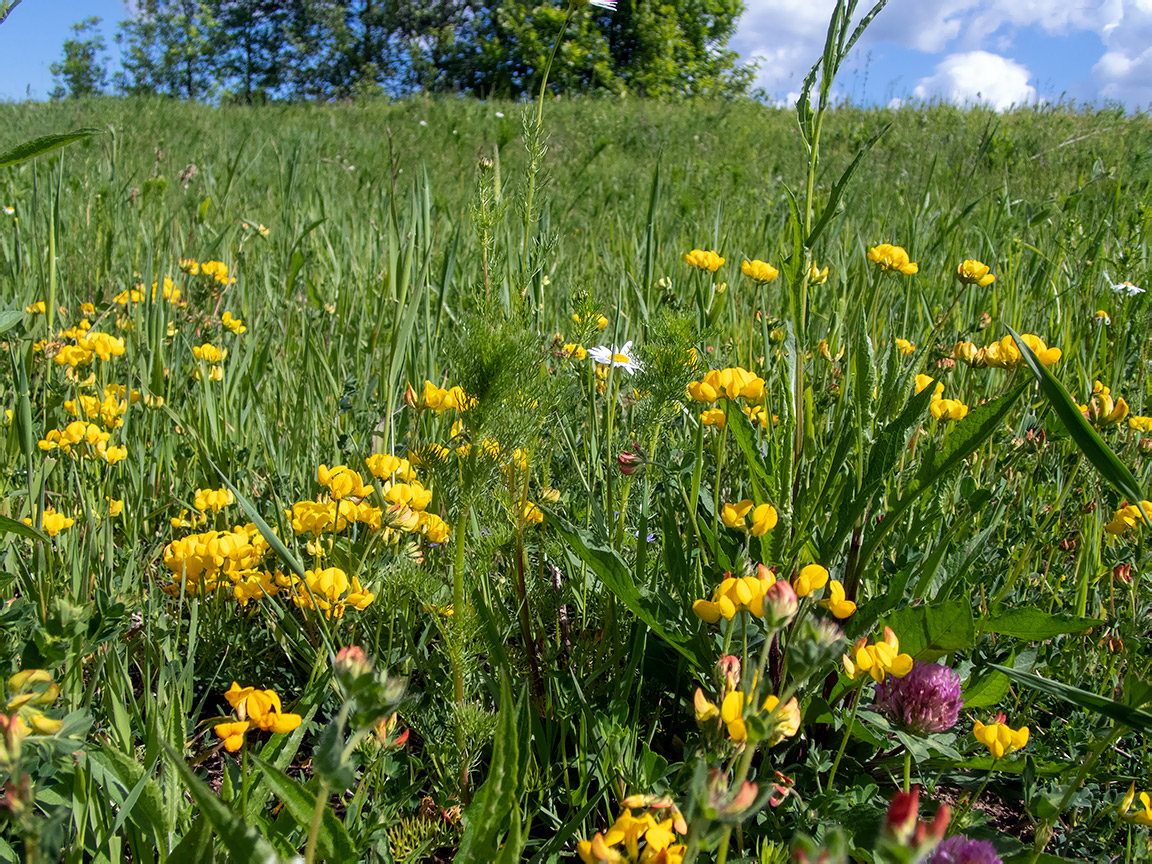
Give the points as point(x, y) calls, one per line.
point(780, 604)
point(630, 460)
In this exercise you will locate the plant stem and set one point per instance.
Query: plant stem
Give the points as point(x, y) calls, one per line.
point(317, 815)
point(907, 769)
point(844, 740)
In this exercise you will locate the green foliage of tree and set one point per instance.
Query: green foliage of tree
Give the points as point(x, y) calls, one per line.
point(82, 70)
point(171, 47)
point(252, 50)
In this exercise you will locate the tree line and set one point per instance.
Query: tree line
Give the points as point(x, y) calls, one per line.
point(259, 50)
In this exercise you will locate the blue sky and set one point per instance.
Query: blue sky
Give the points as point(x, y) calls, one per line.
point(1000, 52)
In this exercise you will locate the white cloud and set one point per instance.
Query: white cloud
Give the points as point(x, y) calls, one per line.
point(978, 77)
point(786, 37)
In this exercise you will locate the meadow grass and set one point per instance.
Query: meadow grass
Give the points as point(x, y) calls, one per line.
point(535, 625)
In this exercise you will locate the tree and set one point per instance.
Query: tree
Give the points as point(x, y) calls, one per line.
point(253, 56)
point(170, 47)
point(83, 70)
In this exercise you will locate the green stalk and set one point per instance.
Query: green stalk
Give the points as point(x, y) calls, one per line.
point(317, 815)
point(844, 740)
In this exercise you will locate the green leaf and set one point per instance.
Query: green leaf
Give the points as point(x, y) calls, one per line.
point(332, 840)
point(495, 801)
point(929, 632)
point(1086, 438)
point(10, 319)
point(744, 435)
point(145, 801)
point(44, 144)
point(12, 526)
point(242, 842)
point(1034, 626)
point(1134, 718)
point(986, 691)
point(611, 569)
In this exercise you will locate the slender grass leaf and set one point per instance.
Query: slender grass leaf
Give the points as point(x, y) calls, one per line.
point(742, 432)
point(1086, 438)
point(838, 190)
point(1134, 718)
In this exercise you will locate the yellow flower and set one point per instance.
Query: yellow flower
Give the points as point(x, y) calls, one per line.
point(262, 708)
point(948, 409)
point(973, 272)
point(218, 270)
point(52, 522)
point(836, 603)
point(967, 352)
point(1101, 408)
point(532, 514)
point(763, 517)
point(811, 578)
point(1128, 517)
point(385, 466)
point(212, 499)
point(714, 417)
point(702, 260)
point(816, 276)
point(1140, 424)
point(732, 595)
point(1005, 355)
point(233, 324)
point(37, 308)
point(999, 738)
point(209, 353)
point(905, 347)
point(232, 734)
point(878, 660)
point(1140, 817)
point(115, 506)
point(759, 271)
point(732, 383)
point(574, 351)
point(922, 381)
point(705, 710)
point(343, 482)
point(892, 259)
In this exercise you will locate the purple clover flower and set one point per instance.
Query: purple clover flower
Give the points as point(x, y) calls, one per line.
point(961, 850)
point(925, 700)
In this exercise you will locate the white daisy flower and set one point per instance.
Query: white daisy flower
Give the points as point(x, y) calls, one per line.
point(622, 357)
point(1125, 288)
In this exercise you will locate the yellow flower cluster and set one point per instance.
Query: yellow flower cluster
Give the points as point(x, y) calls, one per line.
point(218, 270)
point(37, 308)
point(702, 260)
point(812, 578)
point(763, 518)
point(260, 709)
point(882, 658)
point(212, 499)
point(111, 409)
point(574, 351)
point(328, 517)
point(1102, 410)
point(233, 324)
point(837, 602)
point(1004, 354)
point(972, 272)
point(905, 347)
point(89, 344)
point(202, 563)
point(628, 832)
point(785, 719)
point(331, 591)
point(52, 522)
point(892, 259)
point(168, 291)
point(1140, 424)
point(1000, 738)
point(209, 353)
point(88, 439)
point(729, 383)
point(1128, 517)
point(343, 482)
point(760, 272)
point(440, 399)
point(736, 594)
point(28, 690)
point(947, 409)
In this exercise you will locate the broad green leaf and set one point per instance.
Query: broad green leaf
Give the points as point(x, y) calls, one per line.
point(10, 319)
point(242, 842)
point(1033, 625)
point(611, 569)
point(496, 800)
point(1134, 718)
point(12, 526)
point(929, 632)
point(144, 798)
point(986, 691)
point(743, 434)
point(1086, 438)
point(44, 144)
point(332, 840)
